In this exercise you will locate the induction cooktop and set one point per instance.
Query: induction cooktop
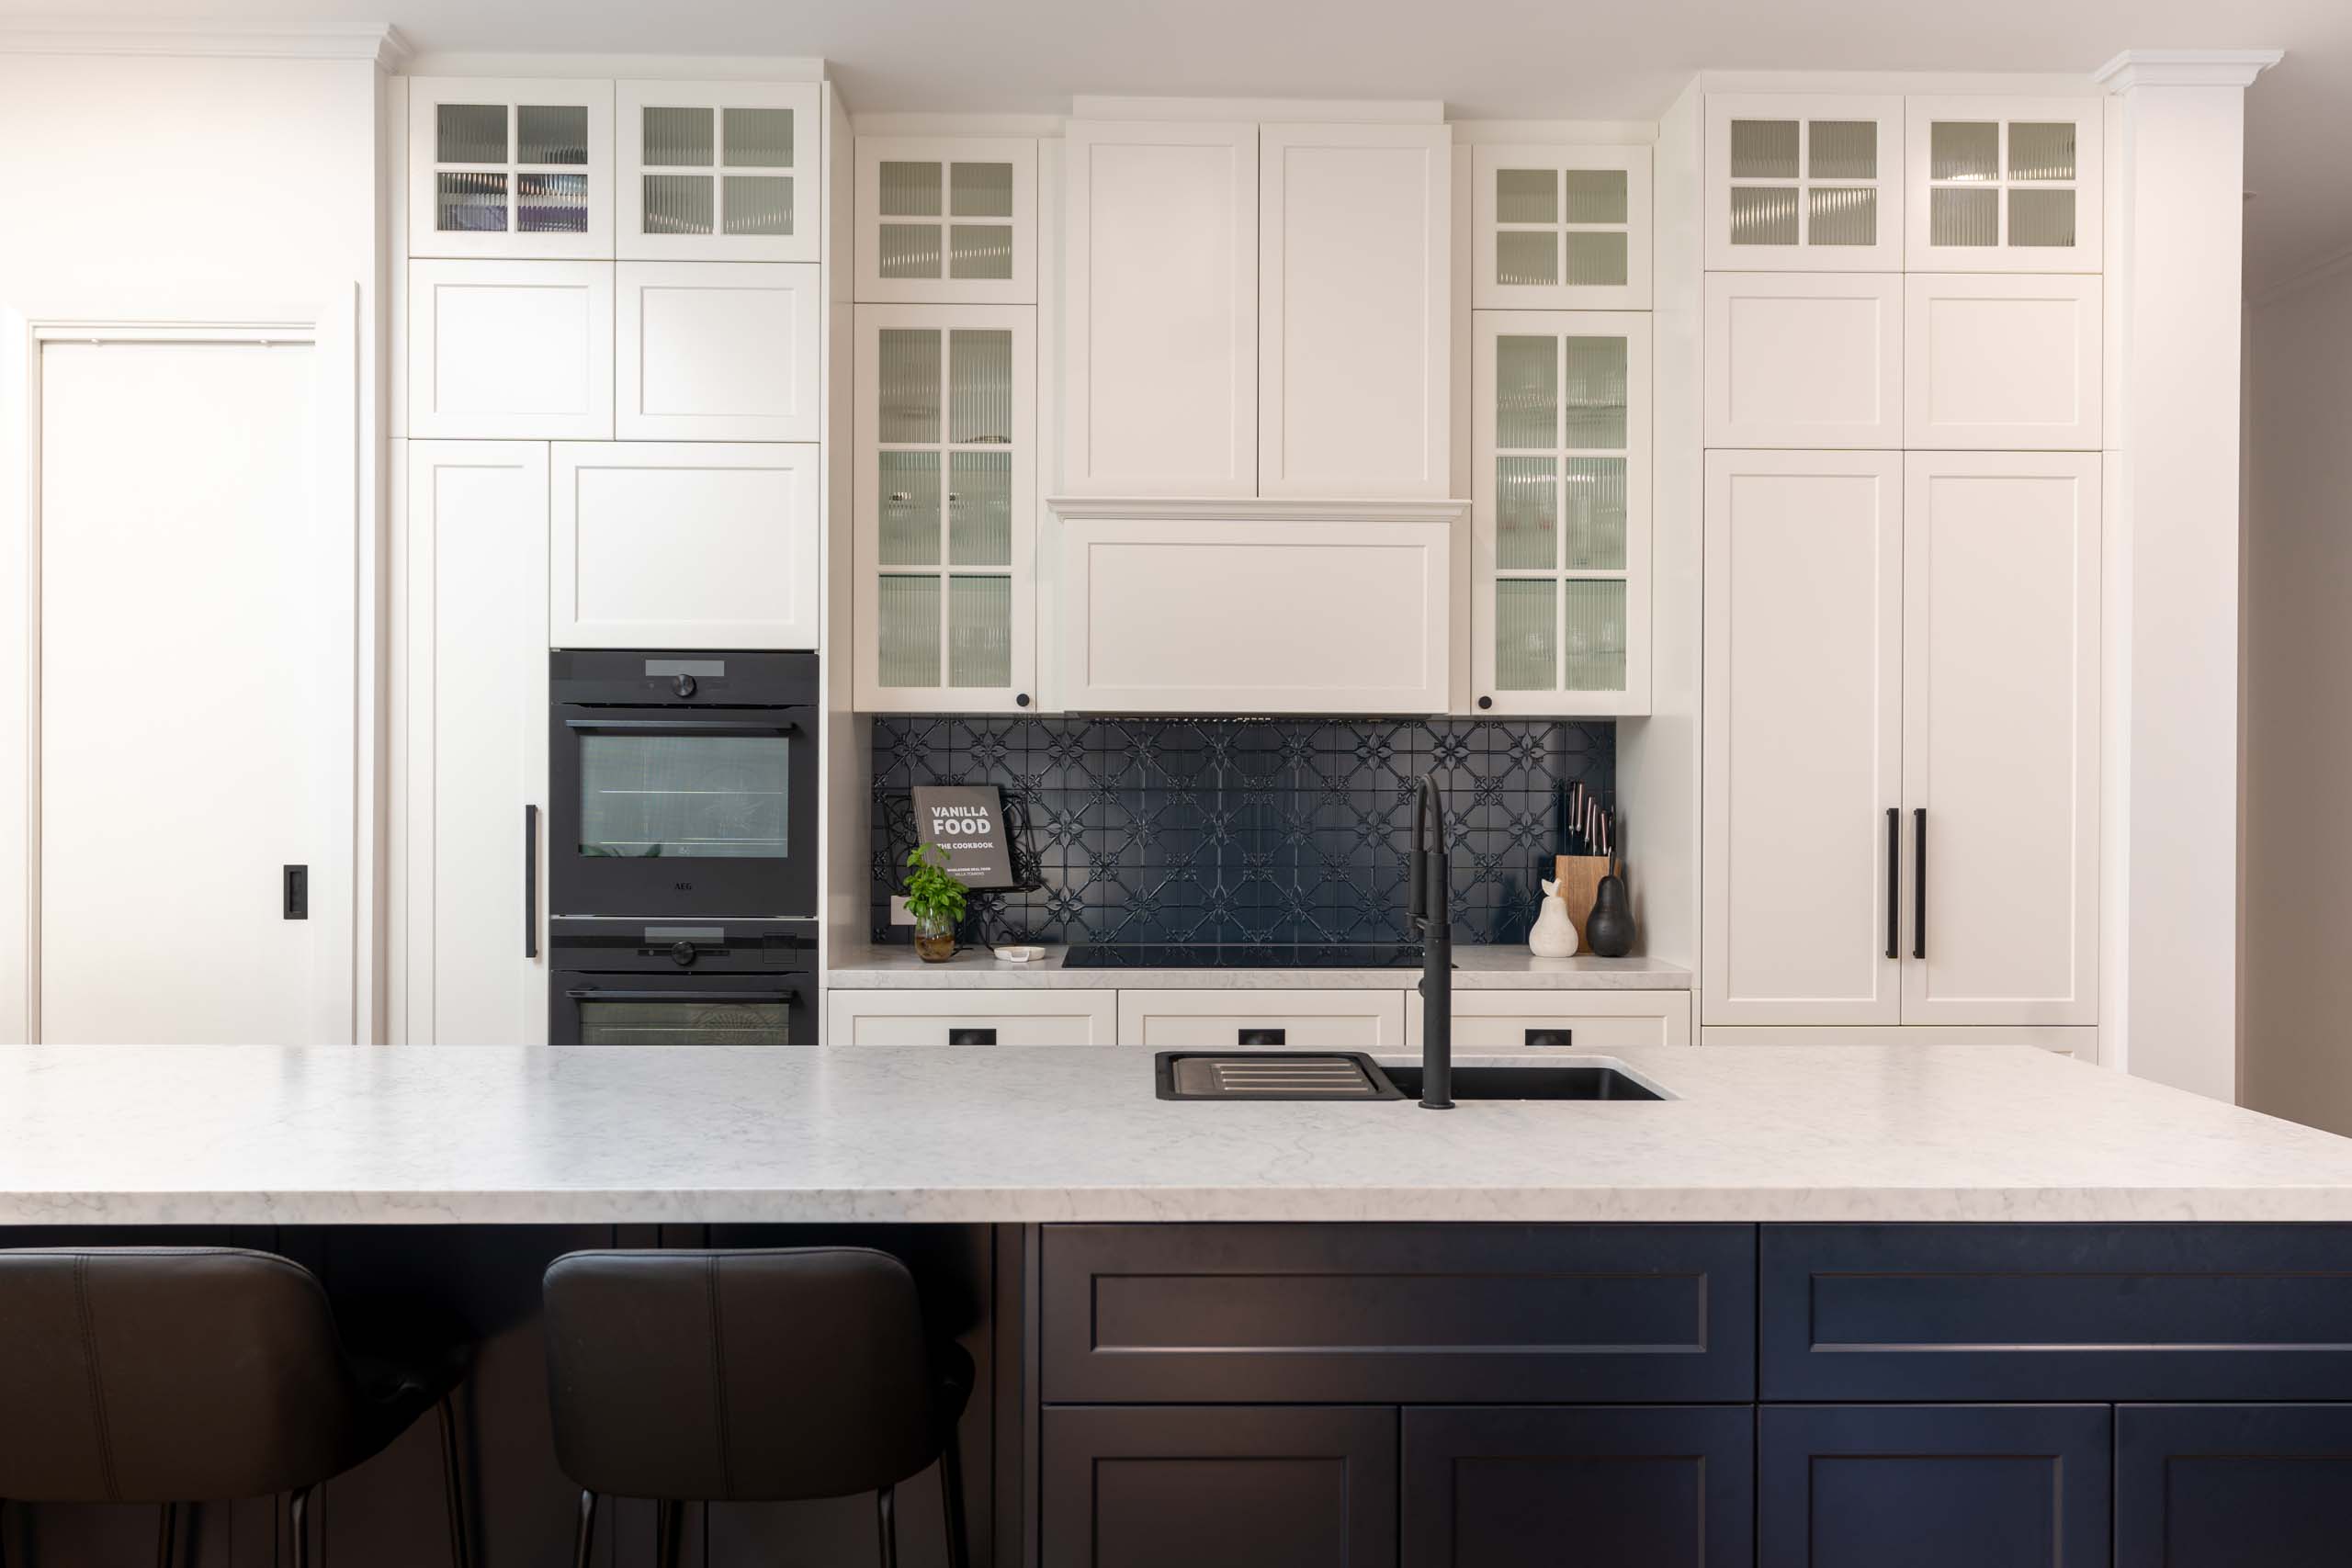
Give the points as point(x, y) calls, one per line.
point(1244, 955)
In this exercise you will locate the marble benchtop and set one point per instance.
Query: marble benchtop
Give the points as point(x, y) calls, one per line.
point(253, 1134)
point(863, 967)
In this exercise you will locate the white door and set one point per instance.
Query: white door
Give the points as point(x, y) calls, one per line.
point(1160, 334)
point(717, 351)
point(1562, 228)
point(2000, 363)
point(514, 166)
point(475, 554)
point(1355, 291)
point(702, 544)
point(946, 219)
point(1804, 735)
point(1809, 360)
point(2001, 632)
point(716, 171)
point(945, 508)
point(1560, 490)
point(196, 726)
point(2005, 185)
point(1803, 182)
point(511, 350)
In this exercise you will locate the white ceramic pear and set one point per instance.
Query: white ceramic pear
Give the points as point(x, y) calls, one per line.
point(1554, 935)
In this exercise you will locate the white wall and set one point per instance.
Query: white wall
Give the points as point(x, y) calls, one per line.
point(2297, 1056)
point(129, 179)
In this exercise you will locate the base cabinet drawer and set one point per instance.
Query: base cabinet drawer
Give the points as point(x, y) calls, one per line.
point(1655, 1486)
point(1934, 1487)
point(1232, 1487)
point(1561, 1021)
point(1397, 1314)
point(2224, 1486)
point(1346, 1021)
point(970, 1018)
point(2118, 1312)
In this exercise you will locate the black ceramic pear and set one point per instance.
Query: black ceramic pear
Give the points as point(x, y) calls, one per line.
point(1609, 930)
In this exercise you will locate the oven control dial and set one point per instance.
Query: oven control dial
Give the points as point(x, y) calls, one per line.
point(681, 954)
point(683, 685)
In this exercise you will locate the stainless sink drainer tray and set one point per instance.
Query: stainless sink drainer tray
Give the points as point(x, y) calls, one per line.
point(1271, 1075)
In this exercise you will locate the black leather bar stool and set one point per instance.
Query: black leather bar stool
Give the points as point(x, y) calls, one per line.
point(748, 1376)
point(202, 1374)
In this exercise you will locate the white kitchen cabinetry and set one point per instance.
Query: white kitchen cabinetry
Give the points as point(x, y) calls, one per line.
point(2007, 362)
point(475, 625)
point(1807, 183)
point(1160, 335)
point(1313, 1020)
point(2005, 185)
point(1803, 736)
point(511, 350)
point(716, 171)
point(510, 167)
point(717, 351)
point(1043, 1016)
point(1355, 301)
point(946, 220)
point(685, 545)
point(1561, 494)
point(2080, 1043)
point(1559, 1020)
point(2000, 728)
point(1804, 359)
point(1562, 228)
point(1255, 607)
point(945, 507)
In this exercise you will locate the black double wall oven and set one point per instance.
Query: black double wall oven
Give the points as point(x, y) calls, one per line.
point(682, 876)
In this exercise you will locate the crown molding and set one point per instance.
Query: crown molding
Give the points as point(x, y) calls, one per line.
point(1250, 509)
point(2185, 68)
point(379, 43)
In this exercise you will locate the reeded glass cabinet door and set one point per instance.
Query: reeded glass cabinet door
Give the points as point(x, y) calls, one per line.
point(945, 504)
point(947, 219)
point(716, 171)
point(1560, 622)
point(1562, 228)
point(2005, 185)
point(510, 167)
point(1805, 182)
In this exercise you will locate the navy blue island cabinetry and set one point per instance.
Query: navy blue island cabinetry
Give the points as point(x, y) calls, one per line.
point(1692, 1396)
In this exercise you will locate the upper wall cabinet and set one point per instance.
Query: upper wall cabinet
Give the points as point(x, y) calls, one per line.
point(2001, 364)
point(1160, 334)
point(1804, 359)
point(1563, 228)
point(510, 167)
point(511, 350)
point(1355, 285)
point(2005, 185)
point(1804, 183)
point(713, 351)
point(945, 218)
point(718, 171)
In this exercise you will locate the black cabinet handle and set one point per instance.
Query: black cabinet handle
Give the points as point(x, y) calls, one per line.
point(1893, 878)
point(530, 882)
point(971, 1037)
point(1920, 882)
point(1262, 1037)
point(1553, 1037)
point(294, 888)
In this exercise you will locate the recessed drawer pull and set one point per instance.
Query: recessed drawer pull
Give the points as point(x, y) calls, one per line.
point(1263, 1037)
point(1553, 1037)
point(971, 1036)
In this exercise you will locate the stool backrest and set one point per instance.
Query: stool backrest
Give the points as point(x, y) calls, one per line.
point(739, 1375)
point(165, 1374)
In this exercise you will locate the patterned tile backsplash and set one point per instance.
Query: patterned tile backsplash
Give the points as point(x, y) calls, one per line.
point(1207, 831)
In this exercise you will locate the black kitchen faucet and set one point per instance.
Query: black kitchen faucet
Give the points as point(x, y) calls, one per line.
point(1432, 918)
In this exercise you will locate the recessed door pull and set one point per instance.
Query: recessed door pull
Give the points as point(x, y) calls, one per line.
point(296, 892)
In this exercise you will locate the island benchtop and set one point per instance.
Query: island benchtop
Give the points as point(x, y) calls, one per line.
point(514, 1134)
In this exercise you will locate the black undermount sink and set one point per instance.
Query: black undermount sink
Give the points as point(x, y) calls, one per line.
point(1547, 1080)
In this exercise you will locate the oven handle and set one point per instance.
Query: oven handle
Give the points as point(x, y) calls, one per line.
point(596, 994)
point(708, 726)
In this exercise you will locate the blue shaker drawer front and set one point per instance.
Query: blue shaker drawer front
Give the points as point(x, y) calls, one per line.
point(2057, 1311)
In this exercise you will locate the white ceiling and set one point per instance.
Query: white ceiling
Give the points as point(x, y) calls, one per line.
point(1515, 59)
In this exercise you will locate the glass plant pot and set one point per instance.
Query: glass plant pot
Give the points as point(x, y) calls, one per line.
point(934, 938)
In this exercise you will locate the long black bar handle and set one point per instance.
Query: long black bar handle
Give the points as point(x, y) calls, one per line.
point(530, 882)
point(1893, 878)
point(1920, 882)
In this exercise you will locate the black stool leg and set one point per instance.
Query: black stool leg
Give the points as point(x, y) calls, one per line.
point(167, 1529)
point(583, 1538)
point(886, 1505)
point(951, 1489)
point(453, 1486)
point(298, 1506)
point(670, 1530)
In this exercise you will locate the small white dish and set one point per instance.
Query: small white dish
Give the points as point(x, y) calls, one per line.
point(1018, 954)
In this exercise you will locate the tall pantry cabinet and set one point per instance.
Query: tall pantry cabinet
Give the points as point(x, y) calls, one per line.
point(1902, 404)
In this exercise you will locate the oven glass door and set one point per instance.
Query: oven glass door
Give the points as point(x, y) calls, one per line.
point(698, 812)
point(701, 1010)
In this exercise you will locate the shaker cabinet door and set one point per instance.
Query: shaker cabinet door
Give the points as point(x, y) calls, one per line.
point(2225, 1485)
point(717, 351)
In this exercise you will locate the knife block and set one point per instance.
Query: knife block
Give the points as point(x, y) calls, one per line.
point(1579, 878)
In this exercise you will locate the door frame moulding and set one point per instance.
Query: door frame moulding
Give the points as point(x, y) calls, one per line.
point(330, 323)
